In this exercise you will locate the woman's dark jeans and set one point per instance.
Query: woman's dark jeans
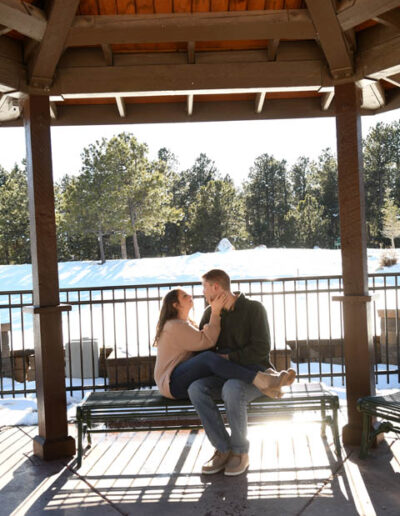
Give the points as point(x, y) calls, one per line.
point(206, 364)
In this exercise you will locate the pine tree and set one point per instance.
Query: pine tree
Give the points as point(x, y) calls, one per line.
point(267, 196)
point(14, 217)
point(218, 212)
point(391, 221)
point(310, 222)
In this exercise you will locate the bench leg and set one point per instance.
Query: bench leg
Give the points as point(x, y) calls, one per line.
point(365, 437)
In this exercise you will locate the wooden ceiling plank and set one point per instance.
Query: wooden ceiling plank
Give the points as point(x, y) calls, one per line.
point(259, 103)
point(97, 30)
point(24, 18)
point(107, 6)
point(126, 7)
point(44, 61)
point(351, 15)
point(391, 18)
point(121, 106)
point(331, 37)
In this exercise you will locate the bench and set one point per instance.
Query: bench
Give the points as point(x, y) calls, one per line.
point(384, 407)
point(144, 409)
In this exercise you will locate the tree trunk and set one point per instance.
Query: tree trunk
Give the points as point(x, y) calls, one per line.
point(124, 253)
point(136, 245)
point(101, 247)
point(134, 234)
point(392, 239)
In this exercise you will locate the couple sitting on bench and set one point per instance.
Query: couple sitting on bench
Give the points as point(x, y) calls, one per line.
point(236, 371)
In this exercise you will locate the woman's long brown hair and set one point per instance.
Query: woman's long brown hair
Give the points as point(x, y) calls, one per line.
point(168, 311)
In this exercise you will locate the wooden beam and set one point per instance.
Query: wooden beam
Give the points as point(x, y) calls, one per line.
point(260, 99)
point(188, 78)
point(378, 53)
point(326, 99)
point(331, 37)
point(272, 49)
point(45, 59)
point(23, 17)
point(373, 94)
point(108, 54)
point(391, 18)
point(121, 106)
point(358, 345)
point(53, 441)
point(12, 74)
point(53, 110)
point(189, 104)
point(191, 57)
point(213, 26)
point(352, 14)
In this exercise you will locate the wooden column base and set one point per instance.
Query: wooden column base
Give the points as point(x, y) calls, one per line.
point(54, 449)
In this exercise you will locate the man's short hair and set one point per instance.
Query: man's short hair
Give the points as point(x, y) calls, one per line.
point(218, 276)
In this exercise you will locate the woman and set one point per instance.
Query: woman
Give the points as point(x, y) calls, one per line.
point(177, 339)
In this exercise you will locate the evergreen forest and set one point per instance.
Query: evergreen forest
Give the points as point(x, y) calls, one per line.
point(123, 204)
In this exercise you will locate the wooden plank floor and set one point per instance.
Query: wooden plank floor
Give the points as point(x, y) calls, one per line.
point(292, 471)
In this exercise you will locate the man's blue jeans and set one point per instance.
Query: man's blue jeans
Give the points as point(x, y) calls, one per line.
point(235, 394)
point(207, 364)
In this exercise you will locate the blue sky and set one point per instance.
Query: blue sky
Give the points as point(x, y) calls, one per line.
point(232, 145)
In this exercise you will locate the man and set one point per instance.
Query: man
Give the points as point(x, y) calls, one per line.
point(244, 339)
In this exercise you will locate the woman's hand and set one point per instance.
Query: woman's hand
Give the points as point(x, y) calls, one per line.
point(218, 303)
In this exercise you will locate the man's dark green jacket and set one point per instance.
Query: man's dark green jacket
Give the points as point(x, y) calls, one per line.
point(244, 333)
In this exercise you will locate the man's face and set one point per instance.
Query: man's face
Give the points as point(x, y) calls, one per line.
point(209, 290)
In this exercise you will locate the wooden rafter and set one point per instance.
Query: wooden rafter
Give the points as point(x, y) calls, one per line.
point(351, 14)
point(391, 18)
point(326, 99)
point(378, 53)
point(44, 61)
point(121, 106)
point(24, 18)
point(331, 37)
point(213, 26)
point(108, 54)
point(272, 49)
point(394, 79)
point(189, 104)
point(260, 99)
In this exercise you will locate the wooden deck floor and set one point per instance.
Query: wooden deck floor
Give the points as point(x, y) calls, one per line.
point(292, 471)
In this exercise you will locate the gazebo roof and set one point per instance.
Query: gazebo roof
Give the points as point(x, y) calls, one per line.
point(134, 61)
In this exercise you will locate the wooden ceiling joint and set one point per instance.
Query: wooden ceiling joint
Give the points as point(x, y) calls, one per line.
point(326, 99)
point(121, 106)
point(24, 18)
point(189, 104)
point(331, 38)
point(44, 61)
point(354, 12)
point(259, 103)
point(191, 56)
point(108, 54)
point(394, 79)
point(373, 94)
point(390, 18)
point(53, 110)
point(272, 49)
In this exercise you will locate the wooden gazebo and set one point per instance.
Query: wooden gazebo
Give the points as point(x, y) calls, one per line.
point(134, 61)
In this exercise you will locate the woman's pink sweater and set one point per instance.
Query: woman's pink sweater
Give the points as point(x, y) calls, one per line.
point(178, 342)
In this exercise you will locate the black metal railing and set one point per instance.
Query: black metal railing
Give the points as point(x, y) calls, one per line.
point(108, 333)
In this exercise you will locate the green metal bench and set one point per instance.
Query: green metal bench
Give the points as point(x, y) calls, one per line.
point(132, 410)
point(384, 407)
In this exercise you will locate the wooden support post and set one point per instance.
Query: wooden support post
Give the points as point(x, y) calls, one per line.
point(358, 346)
point(53, 440)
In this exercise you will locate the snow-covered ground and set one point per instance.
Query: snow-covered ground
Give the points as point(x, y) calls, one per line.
point(247, 264)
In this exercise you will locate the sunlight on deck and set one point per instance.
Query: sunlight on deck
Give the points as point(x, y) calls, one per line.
point(291, 467)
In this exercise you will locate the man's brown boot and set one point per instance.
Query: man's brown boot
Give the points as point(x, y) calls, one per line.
point(237, 464)
point(216, 463)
